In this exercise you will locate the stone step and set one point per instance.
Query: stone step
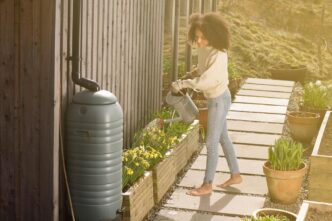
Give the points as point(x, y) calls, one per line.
point(264, 94)
point(245, 151)
point(217, 203)
point(180, 215)
point(251, 184)
point(249, 167)
point(261, 100)
point(259, 127)
point(259, 87)
point(258, 108)
point(253, 138)
point(270, 82)
point(256, 117)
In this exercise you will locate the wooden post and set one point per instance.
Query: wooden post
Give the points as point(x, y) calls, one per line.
point(188, 46)
point(214, 5)
point(174, 65)
point(202, 6)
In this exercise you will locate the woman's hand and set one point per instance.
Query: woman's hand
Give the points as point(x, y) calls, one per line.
point(176, 86)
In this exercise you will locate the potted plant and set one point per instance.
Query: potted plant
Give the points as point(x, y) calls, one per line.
point(271, 214)
point(317, 97)
point(303, 125)
point(284, 170)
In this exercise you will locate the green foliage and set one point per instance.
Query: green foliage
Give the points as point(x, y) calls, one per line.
point(268, 218)
point(181, 69)
point(317, 95)
point(165, 113)
point(136, 161)
point(167, 65)
point(150, 146)
point(233, 73)
point(286, 155)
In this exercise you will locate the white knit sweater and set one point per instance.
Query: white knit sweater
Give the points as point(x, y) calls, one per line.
point(213, 73)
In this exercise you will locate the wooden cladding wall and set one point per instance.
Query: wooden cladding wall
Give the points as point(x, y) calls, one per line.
point(121, 49)
point(29, 55)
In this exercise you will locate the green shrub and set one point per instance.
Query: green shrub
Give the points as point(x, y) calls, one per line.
point(149, 147)
point(286, 155)
point(233, 73)
point(317, 95)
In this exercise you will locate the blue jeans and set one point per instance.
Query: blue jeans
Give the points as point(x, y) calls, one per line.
point(217, 132)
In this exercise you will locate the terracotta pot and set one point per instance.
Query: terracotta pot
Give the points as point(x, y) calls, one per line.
point(203, 117)
point(284, 186)
point(303, 125)
point(321, 112)
point(273, 212)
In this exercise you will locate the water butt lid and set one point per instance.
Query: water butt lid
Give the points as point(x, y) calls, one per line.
point(101, 97)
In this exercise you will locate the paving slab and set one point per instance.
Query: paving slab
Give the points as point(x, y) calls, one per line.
point(218, 203)
point(256, 117)
point(259, 87)
point(178, 215)
point(258, 108)
point(270, 82)
point(259, 127)
point(261, 100)
point(270, 94)
point(253, 138)
point(245, 151)
point(252, 167)
point(251, 184)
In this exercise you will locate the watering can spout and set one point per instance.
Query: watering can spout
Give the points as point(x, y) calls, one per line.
point(183, 105)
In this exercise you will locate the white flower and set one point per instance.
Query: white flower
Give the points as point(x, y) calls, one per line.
point(318, 83)
point(322, 88)
point(311, 84)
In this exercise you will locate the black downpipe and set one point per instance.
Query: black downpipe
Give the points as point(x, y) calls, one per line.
point(76, 76)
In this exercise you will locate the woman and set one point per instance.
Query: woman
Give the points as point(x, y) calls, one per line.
point(211, 34)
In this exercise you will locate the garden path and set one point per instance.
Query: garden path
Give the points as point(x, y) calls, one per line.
point(255, 120)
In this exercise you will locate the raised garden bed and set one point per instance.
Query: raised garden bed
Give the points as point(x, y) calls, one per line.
point(163, 176)
point(138, 199)
point(315, 211)
point(188, 145)
point(320, 173)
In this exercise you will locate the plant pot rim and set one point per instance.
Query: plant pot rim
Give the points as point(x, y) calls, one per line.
point(302, 114)
point(255, 213)
point(302, 167)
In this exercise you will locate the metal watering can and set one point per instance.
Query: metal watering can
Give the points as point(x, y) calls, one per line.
point(183, 105)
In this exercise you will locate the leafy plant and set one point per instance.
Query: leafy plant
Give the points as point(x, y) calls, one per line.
point(150, 146)
point(135, 162)
point(233, 73)
point(286, 155)
point(317, 95)
point(157, 139)
point(268, 218)
point(165, 113)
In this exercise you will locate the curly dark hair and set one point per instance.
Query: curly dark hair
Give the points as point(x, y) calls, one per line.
point(214, 28)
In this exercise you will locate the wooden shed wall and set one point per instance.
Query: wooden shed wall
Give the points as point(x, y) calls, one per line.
point(121, 49)
point(29, 104)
